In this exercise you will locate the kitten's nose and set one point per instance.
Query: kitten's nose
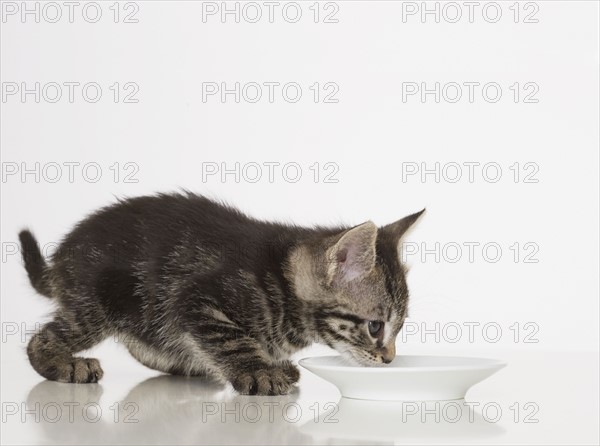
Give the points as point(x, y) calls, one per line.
point(388, 353)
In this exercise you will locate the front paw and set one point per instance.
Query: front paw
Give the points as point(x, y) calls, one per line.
point(276, 380)
point(291, 371)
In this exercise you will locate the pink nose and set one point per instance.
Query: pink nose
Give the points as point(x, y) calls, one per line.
point(388, 353)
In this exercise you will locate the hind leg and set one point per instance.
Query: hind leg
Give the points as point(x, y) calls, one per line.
point(51, 352)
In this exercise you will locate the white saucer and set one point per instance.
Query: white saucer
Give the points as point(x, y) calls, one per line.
point(407, 378)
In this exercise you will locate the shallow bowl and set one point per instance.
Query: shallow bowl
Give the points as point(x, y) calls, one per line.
point(406, 378)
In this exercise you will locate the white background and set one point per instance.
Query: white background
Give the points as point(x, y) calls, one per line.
point(370, 135)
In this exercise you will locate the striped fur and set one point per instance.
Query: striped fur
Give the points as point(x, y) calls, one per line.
point(194, 287)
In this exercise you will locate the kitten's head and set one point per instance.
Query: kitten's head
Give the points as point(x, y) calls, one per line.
point(354, 284)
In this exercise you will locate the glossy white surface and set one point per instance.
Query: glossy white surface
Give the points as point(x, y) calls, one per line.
point(541, 398)
point(407, 378)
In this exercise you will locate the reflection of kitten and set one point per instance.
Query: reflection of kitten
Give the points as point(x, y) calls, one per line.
point(198, 288)
point(166, 410)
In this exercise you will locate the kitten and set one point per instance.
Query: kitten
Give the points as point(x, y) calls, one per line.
point(194, 287)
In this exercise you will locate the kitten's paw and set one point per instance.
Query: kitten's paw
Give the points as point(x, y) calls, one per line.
point(276, 380)
point(291, 371)
point(77, 370)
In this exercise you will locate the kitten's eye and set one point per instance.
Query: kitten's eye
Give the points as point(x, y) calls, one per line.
point(375, 328)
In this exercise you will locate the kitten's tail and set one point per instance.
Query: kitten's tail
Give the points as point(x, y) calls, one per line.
point(35, 265)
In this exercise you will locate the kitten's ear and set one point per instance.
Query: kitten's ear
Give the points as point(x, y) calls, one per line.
point(395, 231)
point(353, 255)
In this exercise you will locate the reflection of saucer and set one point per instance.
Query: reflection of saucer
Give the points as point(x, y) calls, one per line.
point(407, 378)
point(386, 421)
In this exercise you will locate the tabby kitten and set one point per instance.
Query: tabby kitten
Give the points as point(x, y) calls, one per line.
point(194, 287)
